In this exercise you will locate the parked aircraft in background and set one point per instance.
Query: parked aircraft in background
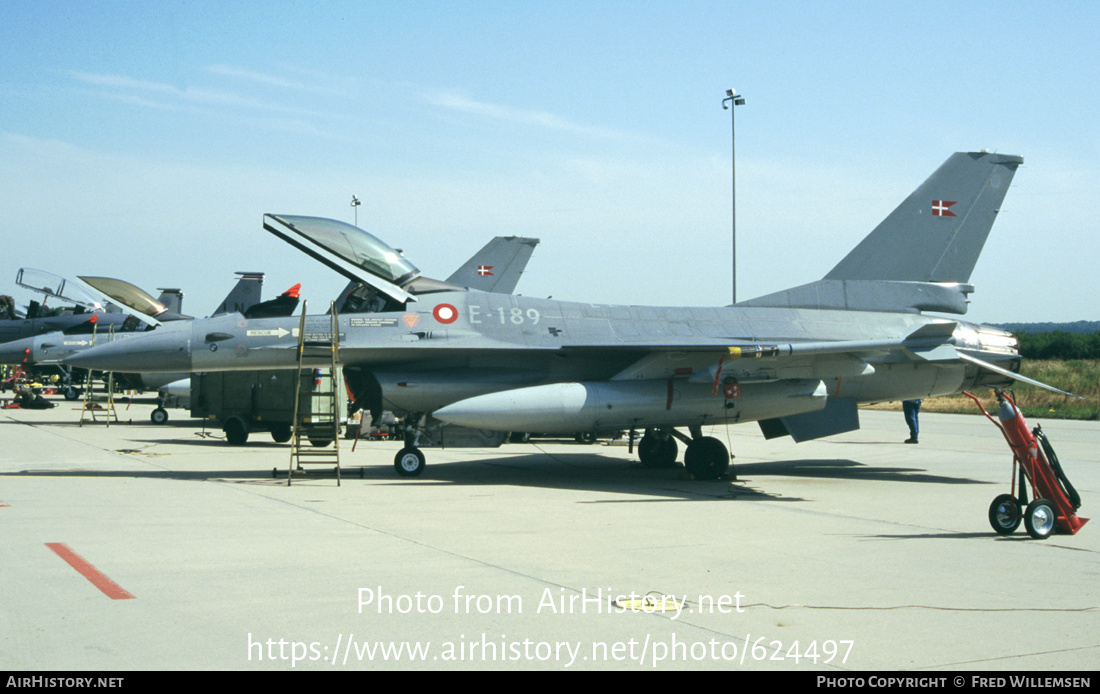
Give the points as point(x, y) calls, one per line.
point(496, 267)
point(465, 367)
point(82, 302)
point(143, 313)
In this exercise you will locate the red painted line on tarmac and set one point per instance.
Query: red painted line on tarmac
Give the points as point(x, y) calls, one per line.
point(111, 589)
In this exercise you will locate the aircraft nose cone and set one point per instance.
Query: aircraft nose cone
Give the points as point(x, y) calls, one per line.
point(14, 352)
point(169, 351)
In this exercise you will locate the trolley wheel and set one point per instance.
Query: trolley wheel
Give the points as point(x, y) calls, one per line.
point(409, 462)
point(1039, 519)
point(1004, 514)
point(159, 416)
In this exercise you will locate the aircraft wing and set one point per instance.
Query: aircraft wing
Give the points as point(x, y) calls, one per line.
point(704, 360)
point(932, 342)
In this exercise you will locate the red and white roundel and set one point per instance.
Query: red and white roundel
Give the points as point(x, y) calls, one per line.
point(445, 314)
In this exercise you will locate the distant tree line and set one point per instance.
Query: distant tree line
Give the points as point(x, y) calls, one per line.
point(1079, 326)
point(1059, 344)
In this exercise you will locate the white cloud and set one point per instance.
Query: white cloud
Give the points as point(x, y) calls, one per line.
point(542, 119)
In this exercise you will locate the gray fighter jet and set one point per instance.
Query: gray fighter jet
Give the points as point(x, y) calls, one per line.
point(85, 301)
point(496, 267)
point(142, 312)
point(465, 367)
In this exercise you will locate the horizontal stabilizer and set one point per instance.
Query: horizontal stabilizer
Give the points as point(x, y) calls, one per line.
point(933, 342)
point(919, 340)
point(1013, 375)
point(942, 330)
point(871, 295)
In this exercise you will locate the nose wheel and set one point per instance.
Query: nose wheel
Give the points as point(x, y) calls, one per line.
point(409, 462)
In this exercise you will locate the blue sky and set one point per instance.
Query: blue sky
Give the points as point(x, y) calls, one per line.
point(146, 140)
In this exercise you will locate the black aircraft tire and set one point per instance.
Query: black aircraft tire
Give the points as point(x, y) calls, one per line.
point(159, 416)
point(1004, 514)
point(281, 433)
point(236, 432)
point(1039, 519)
point(706, 458)
point(647, 450)
point(409, 462)
point(655, 453)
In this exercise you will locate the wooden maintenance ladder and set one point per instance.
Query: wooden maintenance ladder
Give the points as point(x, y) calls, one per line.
point(92, 410)
point(316, 399)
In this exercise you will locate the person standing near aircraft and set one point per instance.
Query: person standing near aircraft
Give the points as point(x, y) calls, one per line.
point(911, 408)
point(7, 307)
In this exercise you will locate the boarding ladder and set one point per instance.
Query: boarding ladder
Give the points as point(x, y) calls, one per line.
point(316, 398)
point(93, 411)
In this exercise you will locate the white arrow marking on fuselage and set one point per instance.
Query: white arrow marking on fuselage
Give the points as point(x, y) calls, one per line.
point(278, 332)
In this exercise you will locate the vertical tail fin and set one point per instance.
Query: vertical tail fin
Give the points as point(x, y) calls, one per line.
point(244, 295)
point(172, 299)
point(496, 267)
point(937, 234)
point(921, 256)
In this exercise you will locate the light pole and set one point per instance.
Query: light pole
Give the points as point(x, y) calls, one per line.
point(737, 100)
point(355, 206)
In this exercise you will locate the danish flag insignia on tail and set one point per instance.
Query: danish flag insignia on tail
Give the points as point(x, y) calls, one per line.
point(940, 208)
point(484, 270)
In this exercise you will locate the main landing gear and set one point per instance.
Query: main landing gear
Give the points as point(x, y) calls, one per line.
point(706, 458)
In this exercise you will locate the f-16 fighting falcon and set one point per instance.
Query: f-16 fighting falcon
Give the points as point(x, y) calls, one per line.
point(465, 367)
